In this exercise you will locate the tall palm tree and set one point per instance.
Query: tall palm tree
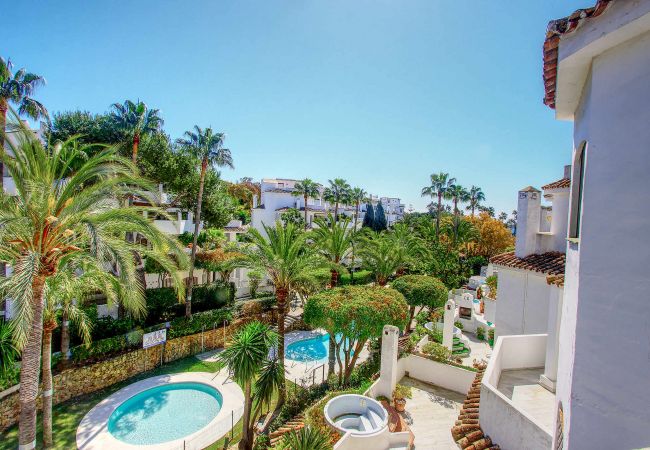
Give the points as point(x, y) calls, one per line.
point(457, 194)
point(208, 147)
point(245, 357)
point(287, 260)
point(338, 192)
point(60, 215)
point(476, 196)
point(63, 293)
point(136, 120)
point(306, 188)
point(408, 245)
point(357, 196)
point(17, 89)
point(380, 255)
point(334, 242)
point(439, 187)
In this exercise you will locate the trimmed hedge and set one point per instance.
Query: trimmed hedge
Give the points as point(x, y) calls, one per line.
point(360, 277)
point(163, 304)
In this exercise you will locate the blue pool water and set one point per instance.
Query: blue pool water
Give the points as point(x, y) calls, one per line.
point(312, 349)
point(165, 413)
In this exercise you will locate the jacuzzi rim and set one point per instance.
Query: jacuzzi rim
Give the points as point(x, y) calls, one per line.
point(383, 426)
point(93, 434)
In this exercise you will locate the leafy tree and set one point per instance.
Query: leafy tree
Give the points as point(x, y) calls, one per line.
point(439, 188)
point(380, 223)
point(90, 128)
point(286, 259)
point(135, 120)
point(494, 236)
point(369, 218)
point(420, 290)
point(503, 216)
point(476, 196)
point(338, 192)
point(293, 215)
point(208, 147)
point(246, 358)
point(49, 224)
point(489, 210)
point(17, 89)
point(305, 189)
point(356, 314)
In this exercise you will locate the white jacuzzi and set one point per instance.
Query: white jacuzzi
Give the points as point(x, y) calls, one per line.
point(356, 414)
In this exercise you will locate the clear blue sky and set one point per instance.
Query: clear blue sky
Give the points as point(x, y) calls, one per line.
point(379, 92)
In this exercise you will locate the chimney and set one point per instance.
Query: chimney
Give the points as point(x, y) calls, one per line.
point(567, 171)
point(528, 219)
point(254, 200)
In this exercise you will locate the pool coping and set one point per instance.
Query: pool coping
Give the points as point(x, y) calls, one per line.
point(93, 434)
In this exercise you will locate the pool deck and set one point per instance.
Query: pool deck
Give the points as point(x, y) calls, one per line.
point(93, 434)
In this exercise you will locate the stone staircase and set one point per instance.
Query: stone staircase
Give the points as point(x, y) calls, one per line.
point(467, 431)
point(294, 424)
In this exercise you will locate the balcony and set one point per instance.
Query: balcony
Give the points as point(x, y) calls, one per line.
point(516, 411)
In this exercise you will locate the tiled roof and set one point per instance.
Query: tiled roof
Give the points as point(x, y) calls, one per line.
point(235, 229)
point(551, 263)
point(559, 184)
point(467, 431)
point(557, 280)
point(529, 189)
point(555, 29)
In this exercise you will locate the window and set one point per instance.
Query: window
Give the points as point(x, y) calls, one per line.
point(577, 188)
point(464, 313)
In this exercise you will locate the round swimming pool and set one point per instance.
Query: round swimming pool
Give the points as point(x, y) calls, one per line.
point(312, 349)
point(165, 413)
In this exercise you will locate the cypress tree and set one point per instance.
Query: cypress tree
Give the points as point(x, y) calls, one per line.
point(379, 224)
point(369, 217)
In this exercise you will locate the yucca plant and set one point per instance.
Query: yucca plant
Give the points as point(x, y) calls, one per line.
point(305, 439)
point(59, 216)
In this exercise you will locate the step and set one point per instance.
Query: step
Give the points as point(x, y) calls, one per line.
point(374, 418)
point(364, 423)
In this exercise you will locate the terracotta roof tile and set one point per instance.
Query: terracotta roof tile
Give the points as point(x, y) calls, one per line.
point(236, 229)
point(557, 280)
point(559, 184)
point(467, 431)
point(551, 263)
point(556, 29)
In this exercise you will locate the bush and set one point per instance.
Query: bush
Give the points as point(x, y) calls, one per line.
point(475, 263)
point(480, 333)
point(422, 317)
point(360, 277)
point(402, 392)
point(458, 325)
point(181, 326)
point(491, 336)
point(106, 327)
point(163, 304)
point(437, 352)
point(492, 281)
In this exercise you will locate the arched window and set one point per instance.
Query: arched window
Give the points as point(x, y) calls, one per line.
point(577, 187)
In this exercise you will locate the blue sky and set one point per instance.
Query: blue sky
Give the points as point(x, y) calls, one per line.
point(379, 92)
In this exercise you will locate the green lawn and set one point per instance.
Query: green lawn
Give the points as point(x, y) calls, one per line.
point(68, 415)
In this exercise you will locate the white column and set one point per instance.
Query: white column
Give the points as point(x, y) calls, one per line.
point(388, 370)
point(448, 328)
point(549, 377)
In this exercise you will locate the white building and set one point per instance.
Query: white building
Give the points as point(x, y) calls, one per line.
point(277, 198)
point(597, 74)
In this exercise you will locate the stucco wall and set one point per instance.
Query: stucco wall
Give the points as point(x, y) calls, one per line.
point(78, 381)
point(523, 298)
point(605, 389)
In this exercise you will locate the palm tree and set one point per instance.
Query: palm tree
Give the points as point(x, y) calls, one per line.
point(357, 196)
point(57, 216)
point(8, 351)
point(476, 196)
point(408, 245)
point(440, 185)
point(306, 188)
point(208, 147)
point(380, 255)
point(338, 192)
point(306, 438)
point(245, 357)
point(287, 260)
point(334, 242)
point(457, 194)
point(136, 120)
point(267, 384)
point(18, 89)
point(63, 293)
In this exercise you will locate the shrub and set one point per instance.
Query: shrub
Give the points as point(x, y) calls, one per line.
point(422, 317)
point(181, 326)
point(458, 325)
point(480, 333)
point(492, 281)
point(106, 327)
point(254, 279)
point(401, 392)
point(437, 352)
point(360, 277)
point(491, 336)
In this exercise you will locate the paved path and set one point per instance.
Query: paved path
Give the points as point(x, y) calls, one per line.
point(479, 350)
point(431, 413)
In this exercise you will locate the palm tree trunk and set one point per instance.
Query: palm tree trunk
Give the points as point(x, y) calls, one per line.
point(136, 143)
point(197, 222)
point(65, 337)
point(48, 390)
point(281, 297)
point(29, 369)
point(438, 216)
point(306, 226)
point(336, 211)
point(245, 442)
point(331, 362)
point(3, 124)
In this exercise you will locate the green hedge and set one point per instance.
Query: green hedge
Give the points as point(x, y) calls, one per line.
point(360, 277)
point(163, 304)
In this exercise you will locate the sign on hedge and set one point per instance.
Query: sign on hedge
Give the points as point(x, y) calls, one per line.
point(154, 338)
